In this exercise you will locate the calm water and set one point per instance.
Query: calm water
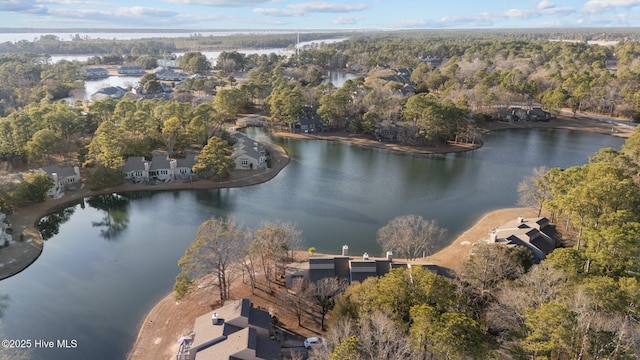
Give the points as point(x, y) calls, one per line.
point(114, 257)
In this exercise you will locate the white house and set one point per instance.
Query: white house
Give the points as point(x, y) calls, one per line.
point(184, 166)
point(162, 168)
point(248, 154)
point(136, 169)
point(64, 178)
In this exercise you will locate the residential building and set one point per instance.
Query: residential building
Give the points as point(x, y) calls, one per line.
point(235, 331)
point(167, 74)
point(184, 166)
point(113, 92)
point(95, 73)
point(131, 70)
point(349, 269)
point(162, 168)
point(309, 122)
point(64, 178)
point(535, 234)
point(136, 169)
point(248, 154)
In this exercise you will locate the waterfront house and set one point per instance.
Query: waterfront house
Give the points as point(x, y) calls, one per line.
point(309, 122)
point(184, 166)
point(349, 269)
point(95, 73)
point(535, 234)
point(248, 154)
point(112, 92)
point(162, 168)
point(63, 177)
point(235, 331)
point(136, 169)
point(131, 70)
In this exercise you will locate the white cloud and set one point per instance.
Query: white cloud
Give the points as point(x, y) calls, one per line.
point(328, 7)
point(310, 7)
point(597, 6)
point(277, 12)
point(20, 6)
point(347, 20)
point(546, 4)
point(220, 3)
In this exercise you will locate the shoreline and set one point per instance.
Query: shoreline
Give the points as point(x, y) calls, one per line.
point(21, 254)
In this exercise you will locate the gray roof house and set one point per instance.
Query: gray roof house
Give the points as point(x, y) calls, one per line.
point(184, 166)
point(96, 73)
point(136, 169)
point(167, 74)
point(248, 154)
point(113, 92)
point(131, 70)
point(235, 331)
point(64, 178)
point(162, 168)
point(529, 233)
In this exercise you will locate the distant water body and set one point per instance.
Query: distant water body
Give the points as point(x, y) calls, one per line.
point(67, 35)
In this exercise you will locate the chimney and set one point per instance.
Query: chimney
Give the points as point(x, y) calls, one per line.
point(365, 256)
point(520, 219)
point(389, 256)
point(76, 170)
point(493, 236)
point(345, 250)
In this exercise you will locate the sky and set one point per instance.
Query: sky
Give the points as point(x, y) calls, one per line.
point(325, 14)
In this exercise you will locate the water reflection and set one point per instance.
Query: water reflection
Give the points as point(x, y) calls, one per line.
point(49, 226)
point(116, 217)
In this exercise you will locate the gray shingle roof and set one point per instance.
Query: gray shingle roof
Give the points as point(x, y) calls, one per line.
point(59, 170)
point(134, 163)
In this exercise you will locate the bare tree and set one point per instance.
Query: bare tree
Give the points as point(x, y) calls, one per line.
point(487, 267)
point(217, 249)
point(380, 338)
point(531, 190)
point(272, 243)
point(297, 299)
point(323, 292)
point(410, 236)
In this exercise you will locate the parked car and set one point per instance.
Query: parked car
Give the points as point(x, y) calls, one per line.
point(314, 342)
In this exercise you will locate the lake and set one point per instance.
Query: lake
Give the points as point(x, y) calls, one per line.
point(110, 259)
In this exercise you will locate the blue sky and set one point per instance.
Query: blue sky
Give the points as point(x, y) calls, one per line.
point(325, 14)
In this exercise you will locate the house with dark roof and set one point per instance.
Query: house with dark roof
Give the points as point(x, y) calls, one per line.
point(237, 330)
point(167, 74)
point(309, 122)
point(95, 73)
point(162, 168)
point(112, 92)
point(63, 177)
point(537, 114)
point(534, 234)
point(248, 154)
point(131, 70)
point(136, 169)
point(184, 166)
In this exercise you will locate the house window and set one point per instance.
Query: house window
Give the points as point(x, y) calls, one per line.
point(138, 173)
point(244, 162)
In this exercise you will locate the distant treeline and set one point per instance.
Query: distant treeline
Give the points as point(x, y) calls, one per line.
point(51, 44)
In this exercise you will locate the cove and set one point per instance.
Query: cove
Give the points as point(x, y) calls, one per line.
point(110, 259)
